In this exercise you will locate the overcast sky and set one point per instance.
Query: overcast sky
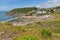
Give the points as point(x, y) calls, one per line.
point(6, 5)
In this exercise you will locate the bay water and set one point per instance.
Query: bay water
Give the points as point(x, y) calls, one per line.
point(3, 16)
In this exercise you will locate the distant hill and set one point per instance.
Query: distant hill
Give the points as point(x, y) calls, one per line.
point(26, 10)
point(58, 7)
point(23, 10)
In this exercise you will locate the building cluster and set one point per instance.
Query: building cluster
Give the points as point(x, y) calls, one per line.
point(46, 10)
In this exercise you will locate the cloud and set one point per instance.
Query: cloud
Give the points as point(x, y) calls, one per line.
point(50, 3)
point(10, 4)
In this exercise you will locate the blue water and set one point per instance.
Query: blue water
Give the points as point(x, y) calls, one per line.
point(3, 16)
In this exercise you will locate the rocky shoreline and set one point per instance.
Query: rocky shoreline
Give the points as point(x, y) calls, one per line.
point(10, 19)
point(24, 20)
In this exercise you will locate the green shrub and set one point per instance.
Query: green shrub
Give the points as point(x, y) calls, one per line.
point(26, 37)
point(45, 32)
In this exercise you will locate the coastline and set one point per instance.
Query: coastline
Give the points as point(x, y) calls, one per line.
point(10, 19)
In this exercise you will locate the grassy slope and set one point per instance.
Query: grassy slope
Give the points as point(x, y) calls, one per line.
point(32, 30)
point(26, 10)
point(20, 32)
point(23, 10)
point(57, 7)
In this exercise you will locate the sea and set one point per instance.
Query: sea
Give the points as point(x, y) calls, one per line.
point(4, 17)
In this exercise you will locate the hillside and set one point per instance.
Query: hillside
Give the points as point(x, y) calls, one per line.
point(58, 7)
point(23, 10)
point(42, 30)
point(28, 9)
point(48, 29)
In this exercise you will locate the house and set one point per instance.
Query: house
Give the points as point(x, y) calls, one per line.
point(56, 10)
point(41, 12)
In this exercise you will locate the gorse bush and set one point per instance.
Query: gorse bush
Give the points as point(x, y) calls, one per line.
point(26, 37)
point(45, 32)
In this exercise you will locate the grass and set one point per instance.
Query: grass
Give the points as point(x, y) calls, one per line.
point(23, 33)
point(33, 31)
point(23, 10)
point(27, 37)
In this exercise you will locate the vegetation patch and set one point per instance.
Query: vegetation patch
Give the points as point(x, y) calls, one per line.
point(23, 10)
point(27, 37)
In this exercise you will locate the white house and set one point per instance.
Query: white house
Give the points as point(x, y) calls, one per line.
point(56, 10)
point(41, 12)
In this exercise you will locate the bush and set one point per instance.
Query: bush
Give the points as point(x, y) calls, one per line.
point(26, 37)
point(45, 32)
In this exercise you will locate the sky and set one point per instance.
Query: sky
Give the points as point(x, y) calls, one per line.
point(6, 5)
